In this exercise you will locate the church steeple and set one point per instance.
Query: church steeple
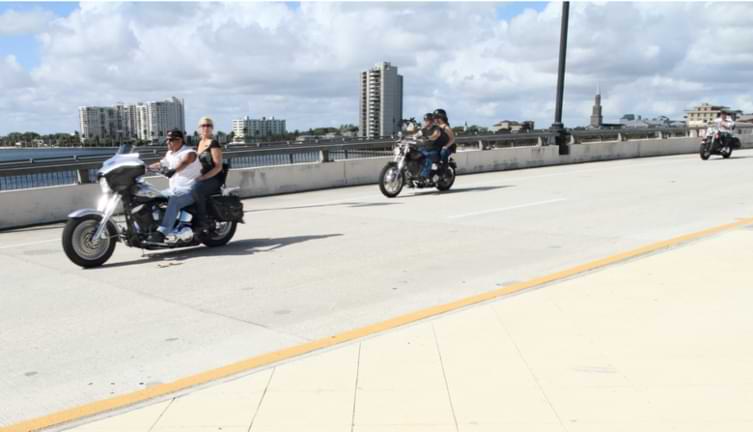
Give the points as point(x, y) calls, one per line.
point(596, 118)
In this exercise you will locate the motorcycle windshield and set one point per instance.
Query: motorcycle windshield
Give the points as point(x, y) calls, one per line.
point(122, 158)
point(124, 148)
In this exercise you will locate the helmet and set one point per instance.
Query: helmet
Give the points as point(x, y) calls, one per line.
point(429, 116)
point(439, 112)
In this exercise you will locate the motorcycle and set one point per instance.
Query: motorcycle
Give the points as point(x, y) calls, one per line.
point(90, 235)
point(718, 143)
point(405, 169)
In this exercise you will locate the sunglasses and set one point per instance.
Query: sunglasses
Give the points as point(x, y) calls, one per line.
point(207, 125)
point(173, 139)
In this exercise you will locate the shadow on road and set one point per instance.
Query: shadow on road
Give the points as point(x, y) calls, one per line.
point(338, 204)
point(459, 190)
point(238, 247)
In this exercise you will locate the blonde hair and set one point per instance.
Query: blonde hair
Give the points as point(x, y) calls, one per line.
point(205, 120)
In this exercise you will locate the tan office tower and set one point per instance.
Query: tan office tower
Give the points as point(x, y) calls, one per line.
point(381, 101)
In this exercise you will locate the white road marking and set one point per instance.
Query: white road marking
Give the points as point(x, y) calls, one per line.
point(533, 204)
point(316, 204)
point(19, 245)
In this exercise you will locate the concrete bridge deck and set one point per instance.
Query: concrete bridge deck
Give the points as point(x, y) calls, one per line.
point(314, 264)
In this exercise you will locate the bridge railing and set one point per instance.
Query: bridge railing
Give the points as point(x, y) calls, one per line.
point(40, 172)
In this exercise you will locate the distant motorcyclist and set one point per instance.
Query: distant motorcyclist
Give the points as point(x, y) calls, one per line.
point(436, 140)
point(725, 125)
point(441, 120)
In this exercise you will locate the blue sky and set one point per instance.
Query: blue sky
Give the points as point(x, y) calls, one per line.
point(26, 47)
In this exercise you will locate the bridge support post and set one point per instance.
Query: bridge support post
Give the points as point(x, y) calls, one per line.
point(540, 141)
point(83, 176)
point(324, 156)
point(620, 137)
point(557, 126)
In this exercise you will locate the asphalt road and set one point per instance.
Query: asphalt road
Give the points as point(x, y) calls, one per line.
point(308, 265)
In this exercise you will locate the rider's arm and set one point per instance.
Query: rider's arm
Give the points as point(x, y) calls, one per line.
point(451, 135)
point(187, 160)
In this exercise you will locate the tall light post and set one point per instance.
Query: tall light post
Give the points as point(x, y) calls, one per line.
point(557, 126)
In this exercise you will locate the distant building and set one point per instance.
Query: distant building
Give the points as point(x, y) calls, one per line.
point(745, 118)
point(248, 128)
point(381, 101)
point(596, 116)
point(706, 113)
point(627, 118)
point(513, 126)
point(145, 121)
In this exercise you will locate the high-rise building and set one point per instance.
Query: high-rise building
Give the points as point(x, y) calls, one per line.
point(596, 118)
point(146, 121)
point(257, 128)
point(95, 122)
point(381, 101)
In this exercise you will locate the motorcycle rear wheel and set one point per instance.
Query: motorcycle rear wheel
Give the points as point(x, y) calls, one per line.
point(222, 233)
point(446, 179)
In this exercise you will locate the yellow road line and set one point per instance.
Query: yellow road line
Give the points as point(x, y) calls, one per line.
point(127, 399)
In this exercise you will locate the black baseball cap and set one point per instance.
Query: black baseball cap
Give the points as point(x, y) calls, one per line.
point(175, 133)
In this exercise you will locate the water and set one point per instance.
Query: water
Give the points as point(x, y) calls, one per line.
point(65, 177)
point(9, 154)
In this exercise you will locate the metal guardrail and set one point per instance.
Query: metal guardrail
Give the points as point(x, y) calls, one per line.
point(39, 172)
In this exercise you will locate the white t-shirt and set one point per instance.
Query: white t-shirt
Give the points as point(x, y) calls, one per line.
point(724, 124)
point(182, 181)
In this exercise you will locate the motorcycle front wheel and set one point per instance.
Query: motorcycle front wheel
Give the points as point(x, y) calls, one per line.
point(391, 180)
point(705, 151)
point(726, 152)
point(81, 248)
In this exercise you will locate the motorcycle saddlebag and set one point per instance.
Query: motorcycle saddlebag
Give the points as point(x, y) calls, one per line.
point(228, 208)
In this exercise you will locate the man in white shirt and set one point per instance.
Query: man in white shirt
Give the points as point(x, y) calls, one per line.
point(724, 125)
point(183, 168)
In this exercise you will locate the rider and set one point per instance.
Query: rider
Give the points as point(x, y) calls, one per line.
point(725, 125)
point(437, 139)
point(182, 168)
point(440, 117)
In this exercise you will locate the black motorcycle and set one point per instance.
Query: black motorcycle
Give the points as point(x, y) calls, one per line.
point(405, 169)
point(718, 143)
point(90, 235)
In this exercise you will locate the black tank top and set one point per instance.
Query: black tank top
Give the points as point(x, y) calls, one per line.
point(207, 163)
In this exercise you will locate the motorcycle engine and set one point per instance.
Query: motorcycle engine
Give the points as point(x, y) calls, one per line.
point(148, 217)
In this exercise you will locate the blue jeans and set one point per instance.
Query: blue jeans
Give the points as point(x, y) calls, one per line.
point(430, 156)
point(444, 154)
point(174, 204)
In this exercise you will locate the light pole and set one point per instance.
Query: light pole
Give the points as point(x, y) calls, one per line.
point(557, 125)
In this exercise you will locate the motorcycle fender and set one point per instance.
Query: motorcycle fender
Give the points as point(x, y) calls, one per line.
point(78, 214)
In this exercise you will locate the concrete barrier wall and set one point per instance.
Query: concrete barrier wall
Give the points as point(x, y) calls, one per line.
point(43, 205)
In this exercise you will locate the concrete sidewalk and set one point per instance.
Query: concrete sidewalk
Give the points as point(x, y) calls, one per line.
point(661, 343)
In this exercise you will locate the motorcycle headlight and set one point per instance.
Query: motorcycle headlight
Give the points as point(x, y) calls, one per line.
point(104, 186)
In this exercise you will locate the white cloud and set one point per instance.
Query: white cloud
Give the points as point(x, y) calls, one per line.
point(262, 59)
point(14, 22)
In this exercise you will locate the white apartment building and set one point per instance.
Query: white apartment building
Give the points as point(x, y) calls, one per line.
point(705, 114)
point(148, 121)
point(257, 128)
point(381, 101)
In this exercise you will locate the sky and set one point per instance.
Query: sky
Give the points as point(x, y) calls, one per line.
point(300, 61)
